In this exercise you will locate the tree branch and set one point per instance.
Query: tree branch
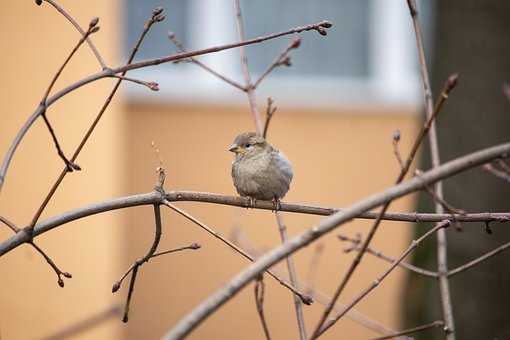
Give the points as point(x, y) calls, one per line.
point(225, 293)
point(294, 281)
point(376, 282)
point(444, 288)
point(306, 299)
point(250, 89)
point(356, 247)
point(282, 60)
point(180, 47)
point(478, 260)
point(155, 17)
point(259, 301)
point(62, 11)
point(319, 27)
point(449, 85)
point(140, 262)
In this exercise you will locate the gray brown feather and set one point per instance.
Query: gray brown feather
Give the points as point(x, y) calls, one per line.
point(260, 171)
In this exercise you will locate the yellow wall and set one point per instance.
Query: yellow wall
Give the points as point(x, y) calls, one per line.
point(338, 157)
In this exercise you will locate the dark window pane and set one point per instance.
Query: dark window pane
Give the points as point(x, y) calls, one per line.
point(344, 52)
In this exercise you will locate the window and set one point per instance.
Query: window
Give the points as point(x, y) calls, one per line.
point(368, 57)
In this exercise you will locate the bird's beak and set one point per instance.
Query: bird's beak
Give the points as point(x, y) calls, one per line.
point(234, 148)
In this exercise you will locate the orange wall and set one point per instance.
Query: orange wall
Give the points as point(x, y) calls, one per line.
point(35, 41)
point(338, 157)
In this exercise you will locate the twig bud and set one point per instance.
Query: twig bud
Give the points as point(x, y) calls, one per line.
point(286, 61)
point(60, 282)
point(296, 43)
point(396, 135)
point(157, 11)
point(125, 319)
point(488, 228)
point(451, 82)
point(306, 299)
point(94, 30)
point(322, 31)
point(159, 18)
point(116, 287)
point(93, 22)
point(195, 246)
point(153, 86)
point(325, 24)
point(68, 275)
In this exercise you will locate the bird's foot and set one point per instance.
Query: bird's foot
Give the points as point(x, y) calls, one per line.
point(250, 202)
point(276, 204)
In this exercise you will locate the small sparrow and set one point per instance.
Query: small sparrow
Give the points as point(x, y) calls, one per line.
point(259, 171)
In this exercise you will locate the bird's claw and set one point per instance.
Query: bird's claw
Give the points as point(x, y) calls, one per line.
point(276, 204)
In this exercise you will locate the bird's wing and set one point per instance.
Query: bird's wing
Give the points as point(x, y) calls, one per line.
point(283, 164)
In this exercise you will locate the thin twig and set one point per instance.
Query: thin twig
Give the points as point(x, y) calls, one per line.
point(259, 301)
point(319, 27)
point(355, 247)
point(156, 17)
point(496, 172)
point(319, 296)
point(52, 264)
point(149, 84)
point(270, 110)
point(9, 224)
point(139, 262)
point(248, 85)
point(55, 268)
point(422, 328)
point(70, 166)
point(306, 299)
point(396, 150)
point(376, 282)
point(92, 28)
point(313, 268)
point(282, 60)
point(180, 47)
point(442, 256)
point(478, 260)
point(326, 225)
point(292, 277)
point(449, 85)
point(62, 11)
point(193, 246)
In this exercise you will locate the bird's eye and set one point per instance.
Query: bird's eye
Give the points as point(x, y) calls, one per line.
point(248, 145)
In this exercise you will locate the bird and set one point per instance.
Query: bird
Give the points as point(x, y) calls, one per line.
point(259, 171)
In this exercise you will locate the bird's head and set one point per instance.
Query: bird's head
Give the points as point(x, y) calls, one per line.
point(249, 144)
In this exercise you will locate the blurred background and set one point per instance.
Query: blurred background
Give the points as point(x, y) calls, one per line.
point(338, 106)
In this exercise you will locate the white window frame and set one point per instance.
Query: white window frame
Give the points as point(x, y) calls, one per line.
point(393, 75)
